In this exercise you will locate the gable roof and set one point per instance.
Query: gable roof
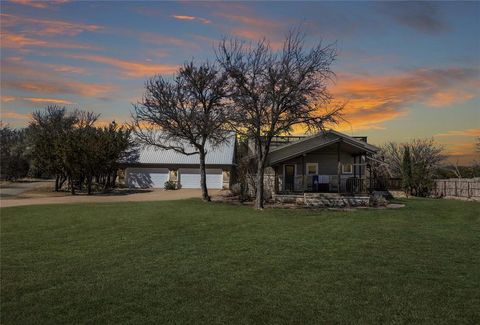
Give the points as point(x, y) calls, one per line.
point(219, 155)
point(314, 142)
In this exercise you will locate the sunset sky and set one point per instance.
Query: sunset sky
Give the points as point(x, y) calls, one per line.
point(406, 69)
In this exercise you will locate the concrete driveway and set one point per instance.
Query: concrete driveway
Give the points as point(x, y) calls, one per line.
point(118, 196)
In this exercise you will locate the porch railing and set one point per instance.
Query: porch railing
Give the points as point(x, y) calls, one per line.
point(328, 183)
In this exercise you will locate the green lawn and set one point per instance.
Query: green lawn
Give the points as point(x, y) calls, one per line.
point(191, 262)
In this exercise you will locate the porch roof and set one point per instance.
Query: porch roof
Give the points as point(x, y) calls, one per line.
point(315, 142)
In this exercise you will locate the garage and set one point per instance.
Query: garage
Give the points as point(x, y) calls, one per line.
point(190, 178)
point(146, 177)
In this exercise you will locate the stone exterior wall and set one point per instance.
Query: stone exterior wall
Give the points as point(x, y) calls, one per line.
point(226, 179)
point(269, 183)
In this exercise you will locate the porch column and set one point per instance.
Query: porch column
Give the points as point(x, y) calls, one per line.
point(303, 172)
point(360, 169)
point(354, 166)
point(339, 166)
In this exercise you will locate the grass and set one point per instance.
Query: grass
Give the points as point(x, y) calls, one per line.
point(191, 262)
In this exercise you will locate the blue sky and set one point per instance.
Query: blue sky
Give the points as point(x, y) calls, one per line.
point(406, 69)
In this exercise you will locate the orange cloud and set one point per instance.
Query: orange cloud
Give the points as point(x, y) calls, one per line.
point(48, 100)
point(66, 68)
point(448, 97)
point(461, 133)
point(244, 24)
point(7, 99)
point(18, 41)
point(130, 69)
point(39, 3)
point(14, 115)
point(183, 17)
point(18, 66)
point(250, 20)
point(372, 100)
point(460, 148)
point(46, 27)
point(462, 152)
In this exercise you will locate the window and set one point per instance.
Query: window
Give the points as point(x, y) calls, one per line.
point(312, 169)
point(347, 168)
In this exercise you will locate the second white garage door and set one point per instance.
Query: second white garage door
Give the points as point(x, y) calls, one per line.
point(190, 178)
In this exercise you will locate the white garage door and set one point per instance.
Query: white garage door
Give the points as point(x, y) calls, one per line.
point(146, 177)
point(190, 178)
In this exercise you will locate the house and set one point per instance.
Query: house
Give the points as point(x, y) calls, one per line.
point(324, 162)
point(328, 161)
point(155, 166)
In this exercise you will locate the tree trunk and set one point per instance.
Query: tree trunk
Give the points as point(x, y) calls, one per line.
point(203, 176)
point(63, 179)
point(259, 183)
point(113, 179)
point(106, 182)
point(72, 186)
point(57, 180)
point(89, 185)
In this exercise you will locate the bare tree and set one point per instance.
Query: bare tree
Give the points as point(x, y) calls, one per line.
point(189, 109)
point(274, 91)
point(426, 157)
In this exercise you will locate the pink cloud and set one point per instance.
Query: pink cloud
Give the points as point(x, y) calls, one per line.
point(47, 27)
point(60, 87)
point(192, 18)
point(40, 4)
point(131, 69)
point(18, 41)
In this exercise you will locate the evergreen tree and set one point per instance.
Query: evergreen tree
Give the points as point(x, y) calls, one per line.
point(407, 170)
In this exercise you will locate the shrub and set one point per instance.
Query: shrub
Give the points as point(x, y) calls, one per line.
point(378, 200)
point(170, 185)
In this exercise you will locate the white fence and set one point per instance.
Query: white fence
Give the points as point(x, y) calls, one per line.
point(458, 187)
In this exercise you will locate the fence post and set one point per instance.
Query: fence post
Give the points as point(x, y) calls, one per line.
point(468, 189)
point(456, 189)
point(444, 188)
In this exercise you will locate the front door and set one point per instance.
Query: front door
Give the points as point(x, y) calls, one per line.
point(289, 177)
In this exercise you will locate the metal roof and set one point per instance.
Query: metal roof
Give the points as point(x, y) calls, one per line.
point(220, 155)
point(314, 142)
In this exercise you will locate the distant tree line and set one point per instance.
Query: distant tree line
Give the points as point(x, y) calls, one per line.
point(14, 157)
point(417, 162)
point(67, 146)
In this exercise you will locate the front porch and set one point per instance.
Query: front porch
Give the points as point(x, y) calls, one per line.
point(336, 168)
point(324, 163)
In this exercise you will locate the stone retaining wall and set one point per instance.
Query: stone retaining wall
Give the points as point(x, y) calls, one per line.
point(323, 200)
